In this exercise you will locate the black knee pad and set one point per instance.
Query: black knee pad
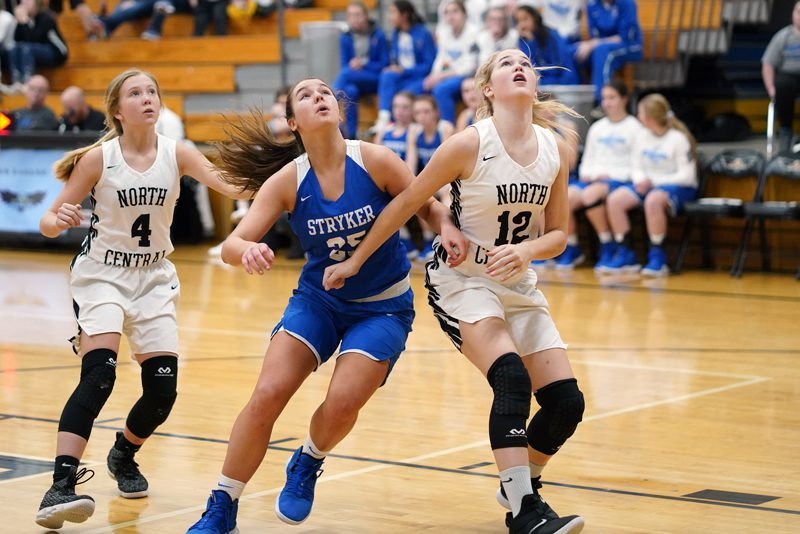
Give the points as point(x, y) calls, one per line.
point(159, 391)
point(98, 374)
point(598, 202)
point(561, 410)
point(512, 402)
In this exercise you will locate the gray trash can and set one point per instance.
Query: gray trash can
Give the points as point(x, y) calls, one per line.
point(321, 48)
point(578, 97)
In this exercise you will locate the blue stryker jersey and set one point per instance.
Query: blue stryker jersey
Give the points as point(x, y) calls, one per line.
point(330, 230)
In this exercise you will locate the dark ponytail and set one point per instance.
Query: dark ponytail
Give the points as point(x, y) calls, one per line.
point(251, 154)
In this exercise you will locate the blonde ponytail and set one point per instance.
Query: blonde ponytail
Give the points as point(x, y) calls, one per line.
point(62, 169)
point(657, 107)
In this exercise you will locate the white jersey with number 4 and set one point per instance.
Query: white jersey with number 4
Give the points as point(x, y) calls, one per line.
point(133, 210)
point(502, 201)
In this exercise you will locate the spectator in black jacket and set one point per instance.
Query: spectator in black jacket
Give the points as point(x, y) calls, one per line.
point(78, 115)
point(38, 42)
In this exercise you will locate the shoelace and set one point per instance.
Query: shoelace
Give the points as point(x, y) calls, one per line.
point(129, 467)
point(216, 512)
point(80, 476)
point(299, 485)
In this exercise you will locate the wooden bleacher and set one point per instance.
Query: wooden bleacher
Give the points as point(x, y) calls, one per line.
point(182, 25)
point(184, 65)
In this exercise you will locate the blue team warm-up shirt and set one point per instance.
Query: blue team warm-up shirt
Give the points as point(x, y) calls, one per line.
point(425, 149)
point(396, 143)
point(329, 230)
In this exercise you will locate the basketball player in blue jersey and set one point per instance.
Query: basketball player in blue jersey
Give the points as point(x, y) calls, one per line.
point(121, 282)
point(334, 190)
point(505, 172)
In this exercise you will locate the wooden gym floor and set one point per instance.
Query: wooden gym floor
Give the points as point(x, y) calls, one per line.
point(692, 388)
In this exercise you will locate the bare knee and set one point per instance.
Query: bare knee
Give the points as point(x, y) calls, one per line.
point(268, 401)
point(342, 407)
point(655, 202)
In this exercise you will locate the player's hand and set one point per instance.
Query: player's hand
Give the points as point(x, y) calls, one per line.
point(258, 258)
point(69, 216)
point(335, 275)
point(455, 243)
point(506, 261)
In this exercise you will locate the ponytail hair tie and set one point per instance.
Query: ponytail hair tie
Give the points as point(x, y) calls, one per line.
point(670, 114)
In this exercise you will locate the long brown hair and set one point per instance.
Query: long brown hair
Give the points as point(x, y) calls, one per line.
point(657, 107)
point(251, 154)
point(544, 111)
point(63, 168)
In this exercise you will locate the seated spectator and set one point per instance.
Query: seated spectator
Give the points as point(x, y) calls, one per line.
point(616, 39)
point(78, 115)
point(425, 135)
point(604, 167)
point(8, 25)
point(161, 10)
point(664, 176)
point(470, 98)
point(364, 53)
point(214, 11)
point(563, 16)
point(456, 59)
point(780, 69)
point(412, 54)
point(476, 10)
point(395, 138)
point(497, 34)
point(91, 24)
point(126, 11)
point(35, 115)
point(38, 42)
point(395, 135)
point(545, 48)
point(278, 124)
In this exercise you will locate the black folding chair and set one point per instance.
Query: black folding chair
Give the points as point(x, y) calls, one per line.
point(777, 199)
point(735, 172)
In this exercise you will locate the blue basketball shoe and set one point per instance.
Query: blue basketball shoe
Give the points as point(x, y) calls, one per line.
point(656, 263)
point(294, 503)
point(607, 251)
point(624, 260)
point(219, 517)
point(570, 258)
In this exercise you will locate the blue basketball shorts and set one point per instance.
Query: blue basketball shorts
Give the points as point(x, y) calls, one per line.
point(377, 330)
point(678, 195)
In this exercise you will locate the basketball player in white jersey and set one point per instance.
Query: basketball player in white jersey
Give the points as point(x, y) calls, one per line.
point(121, 282)
point(506, 170)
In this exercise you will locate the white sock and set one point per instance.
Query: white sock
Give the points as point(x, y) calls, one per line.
point(404, 233)
point(516, 482)
point(428, 235)
point(657, 239)
point(572, 240)
point(619, 238)
point(312, 450)
point(232, 487)
point(536, 469)
point(604, 237)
